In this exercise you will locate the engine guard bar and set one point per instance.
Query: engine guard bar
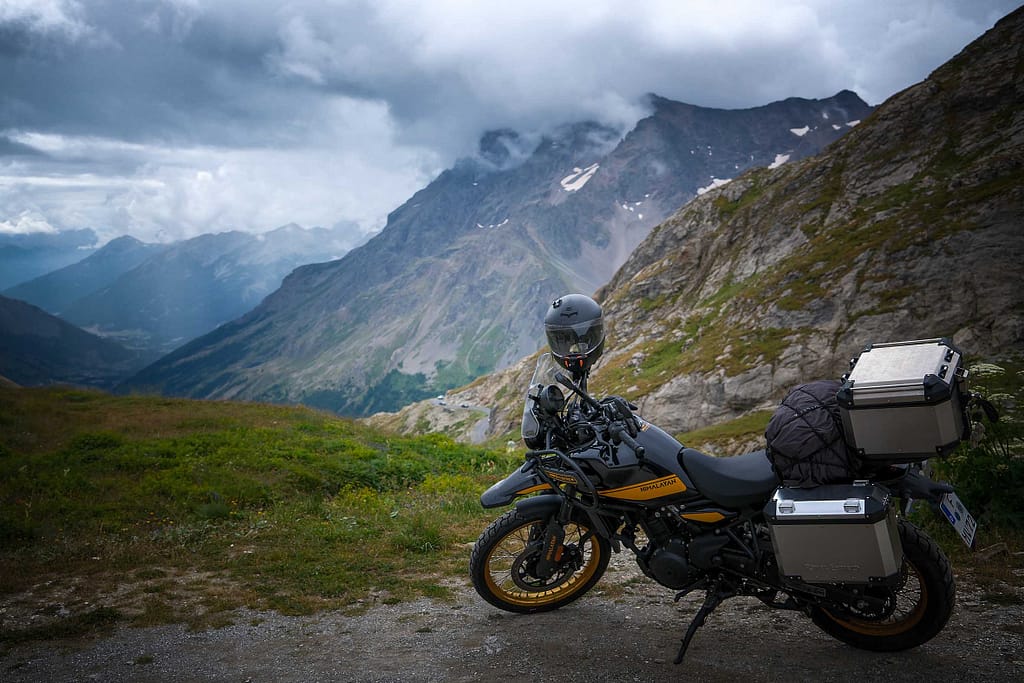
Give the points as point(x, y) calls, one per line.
point(582, 480)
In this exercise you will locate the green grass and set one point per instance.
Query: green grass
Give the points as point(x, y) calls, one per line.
point(206, 506)
point(756, 188)
point(724, 295)
point(989, 475)
point(144, 510)
point(749, 426)
point(706, 343)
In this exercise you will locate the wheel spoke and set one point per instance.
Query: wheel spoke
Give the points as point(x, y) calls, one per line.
point(503, 563)
point(911, 601)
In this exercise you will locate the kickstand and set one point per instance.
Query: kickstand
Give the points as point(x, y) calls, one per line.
point(712, 599)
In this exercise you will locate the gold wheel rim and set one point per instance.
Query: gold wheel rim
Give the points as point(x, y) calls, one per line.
point(902, 620)
point(499, 567)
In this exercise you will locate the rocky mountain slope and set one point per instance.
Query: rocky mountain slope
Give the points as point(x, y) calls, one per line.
point(448, 290)
point(37, 348)
point(909, 227)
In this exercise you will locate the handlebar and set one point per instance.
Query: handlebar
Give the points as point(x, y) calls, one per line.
point(617, 430)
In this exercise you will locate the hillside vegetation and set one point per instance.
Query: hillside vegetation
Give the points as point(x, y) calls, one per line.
point(906, 228)
point(162, 510)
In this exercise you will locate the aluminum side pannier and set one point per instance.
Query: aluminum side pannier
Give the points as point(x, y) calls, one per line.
point(840, 533)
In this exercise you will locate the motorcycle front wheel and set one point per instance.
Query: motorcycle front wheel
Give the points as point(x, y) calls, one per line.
point(919, 607)
point(505, 557)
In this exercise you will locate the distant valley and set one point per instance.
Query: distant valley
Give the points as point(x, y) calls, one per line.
point(155, 297)
point(99, 320)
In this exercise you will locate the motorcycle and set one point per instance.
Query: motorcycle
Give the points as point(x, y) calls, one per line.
point(601, 478)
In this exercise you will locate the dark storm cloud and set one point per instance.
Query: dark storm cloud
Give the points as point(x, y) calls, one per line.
point(173, 117)
point(223, 71)
point(134, 78)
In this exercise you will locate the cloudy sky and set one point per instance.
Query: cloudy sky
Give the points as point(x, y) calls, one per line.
point(166, 119)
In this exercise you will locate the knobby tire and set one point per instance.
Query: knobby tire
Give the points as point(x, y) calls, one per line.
point(924, 603)
point(503, 551)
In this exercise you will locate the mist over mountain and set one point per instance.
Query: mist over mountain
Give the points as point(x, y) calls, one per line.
point(448, 290)
point(57, 290)
point(27, 256)
point(188, 288)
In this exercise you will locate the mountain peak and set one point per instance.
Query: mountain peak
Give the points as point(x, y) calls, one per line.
point(848, 96)
point(449, 289)
point(121, 243)
point(907, 228)
point(286, 229)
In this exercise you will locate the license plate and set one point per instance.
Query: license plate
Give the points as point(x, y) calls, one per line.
point(959, 517)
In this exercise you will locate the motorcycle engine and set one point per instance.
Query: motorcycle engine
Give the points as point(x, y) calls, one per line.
point(667, 565)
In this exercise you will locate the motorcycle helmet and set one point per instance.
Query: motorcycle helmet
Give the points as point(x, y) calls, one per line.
point(575, 332)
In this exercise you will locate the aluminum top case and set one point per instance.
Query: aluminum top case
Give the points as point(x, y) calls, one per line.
point(905, 401)
point(837, 533)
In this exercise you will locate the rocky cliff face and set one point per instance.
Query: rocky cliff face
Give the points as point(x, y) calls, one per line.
point(449, 289)
point(909, 227)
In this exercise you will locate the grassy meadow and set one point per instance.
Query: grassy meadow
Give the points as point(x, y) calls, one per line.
point(152, 510)
point(147, 510)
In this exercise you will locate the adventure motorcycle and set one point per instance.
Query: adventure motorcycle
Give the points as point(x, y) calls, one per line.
point(605, 478)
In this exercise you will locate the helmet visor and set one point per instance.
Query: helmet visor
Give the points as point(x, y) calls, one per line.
point(575, 340)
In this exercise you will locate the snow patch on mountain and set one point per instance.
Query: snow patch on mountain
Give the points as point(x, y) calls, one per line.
point(780, 159)
point(579, 177)
point(632, 206)
point(800, 132)
point(715, 182)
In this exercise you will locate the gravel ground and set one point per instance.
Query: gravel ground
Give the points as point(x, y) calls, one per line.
point(626, 629)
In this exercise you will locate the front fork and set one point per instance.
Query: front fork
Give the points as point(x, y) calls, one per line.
point(552, 542)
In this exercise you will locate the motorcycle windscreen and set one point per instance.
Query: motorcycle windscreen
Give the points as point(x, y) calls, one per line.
point(543, 375)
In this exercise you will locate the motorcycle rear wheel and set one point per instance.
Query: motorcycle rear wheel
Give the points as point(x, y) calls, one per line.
point(923, 603)
point(502, 559)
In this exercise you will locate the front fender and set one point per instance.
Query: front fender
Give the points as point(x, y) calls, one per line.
point(519, 483)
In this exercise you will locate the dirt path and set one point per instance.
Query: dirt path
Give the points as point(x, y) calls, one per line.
point(629, 631)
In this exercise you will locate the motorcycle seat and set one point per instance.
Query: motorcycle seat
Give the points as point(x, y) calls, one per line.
point(732, 482)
